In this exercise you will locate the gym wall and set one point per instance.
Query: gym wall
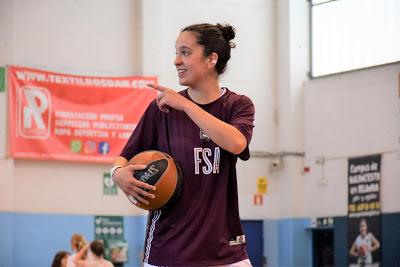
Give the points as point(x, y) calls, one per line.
point(353, 114)
point(42, 203)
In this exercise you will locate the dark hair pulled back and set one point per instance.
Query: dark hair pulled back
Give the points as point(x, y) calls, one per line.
point(215, 39)
point(97, 248)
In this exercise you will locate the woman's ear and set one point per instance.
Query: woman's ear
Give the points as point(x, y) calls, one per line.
point(213, 58)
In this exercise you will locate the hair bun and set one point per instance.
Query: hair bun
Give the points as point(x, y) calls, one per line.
point(227, 31)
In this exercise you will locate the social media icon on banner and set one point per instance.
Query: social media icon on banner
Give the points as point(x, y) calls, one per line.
point(34, 112)
point(90, 147)
point(76, 146)
point(104, 148)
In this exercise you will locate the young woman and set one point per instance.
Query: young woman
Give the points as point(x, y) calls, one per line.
point(60, 259)
point(205, 128)
point(364, 244)
point(78, 241)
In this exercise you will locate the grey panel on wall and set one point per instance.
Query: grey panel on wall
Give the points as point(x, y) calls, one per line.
point(390, 239)
point(340, 241)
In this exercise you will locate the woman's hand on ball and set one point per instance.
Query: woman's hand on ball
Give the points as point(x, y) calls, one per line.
point(132, 187)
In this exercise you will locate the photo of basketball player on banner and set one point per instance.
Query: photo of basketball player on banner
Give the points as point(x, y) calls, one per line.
point(364, 215)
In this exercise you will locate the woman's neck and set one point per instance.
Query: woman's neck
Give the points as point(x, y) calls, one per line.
point(363, 235)
point(205, 93)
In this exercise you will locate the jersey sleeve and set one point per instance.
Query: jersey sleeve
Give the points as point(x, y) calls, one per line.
point(243, 119)
point(144, 137)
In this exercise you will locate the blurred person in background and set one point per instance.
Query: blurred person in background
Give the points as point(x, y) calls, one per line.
point(60, 259)
point(96, 258)
point(78, 242)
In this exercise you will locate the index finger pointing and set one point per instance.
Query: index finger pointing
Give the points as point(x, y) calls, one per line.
point(157, 87)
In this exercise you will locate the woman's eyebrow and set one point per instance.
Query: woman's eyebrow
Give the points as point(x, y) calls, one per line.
point(183, 47)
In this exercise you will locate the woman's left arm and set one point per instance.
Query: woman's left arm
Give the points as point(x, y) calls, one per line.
point(221, 133)
point(78, 258)
point(375, 243)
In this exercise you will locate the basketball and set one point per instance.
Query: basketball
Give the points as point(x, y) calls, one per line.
point(362, 250)
point(162, 172)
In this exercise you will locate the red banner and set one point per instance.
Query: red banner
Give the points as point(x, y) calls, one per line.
point(76, 118)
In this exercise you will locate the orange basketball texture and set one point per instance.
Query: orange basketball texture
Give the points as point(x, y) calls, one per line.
point(164, 173)
point(362, 250)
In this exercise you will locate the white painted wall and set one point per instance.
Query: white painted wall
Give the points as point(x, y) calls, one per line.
point(340, 116)
point(99, 38)
point(250, 71)
point(292, 65)
point(251, 68)
point(77, 37)
point(120, 38)
point(6, 16)
point(350, 115)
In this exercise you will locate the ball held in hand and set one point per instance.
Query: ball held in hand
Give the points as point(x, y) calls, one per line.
point(164, 173)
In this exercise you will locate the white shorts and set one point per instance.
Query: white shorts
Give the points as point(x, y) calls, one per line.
point(243, 263)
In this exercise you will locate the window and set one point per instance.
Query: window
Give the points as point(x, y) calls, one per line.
point(353, 34)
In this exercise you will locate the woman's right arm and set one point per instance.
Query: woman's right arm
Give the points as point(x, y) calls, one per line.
point(353, 250)
point(123, 177)
point(79, 262)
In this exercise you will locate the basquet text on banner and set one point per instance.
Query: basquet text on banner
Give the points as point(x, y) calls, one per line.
point(55, 116)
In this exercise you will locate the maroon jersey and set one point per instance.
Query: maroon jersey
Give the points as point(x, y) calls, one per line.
point(203, 227)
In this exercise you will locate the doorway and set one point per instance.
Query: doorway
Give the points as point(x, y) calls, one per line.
point(323, 255)
point(255, 242)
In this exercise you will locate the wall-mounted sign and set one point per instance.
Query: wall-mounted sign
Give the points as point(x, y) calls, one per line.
point(110, 229)
point(109, 187)
point(2, 79)
point(57, 116)
point(258, 200)
point(262, 185)
point(364, 209)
